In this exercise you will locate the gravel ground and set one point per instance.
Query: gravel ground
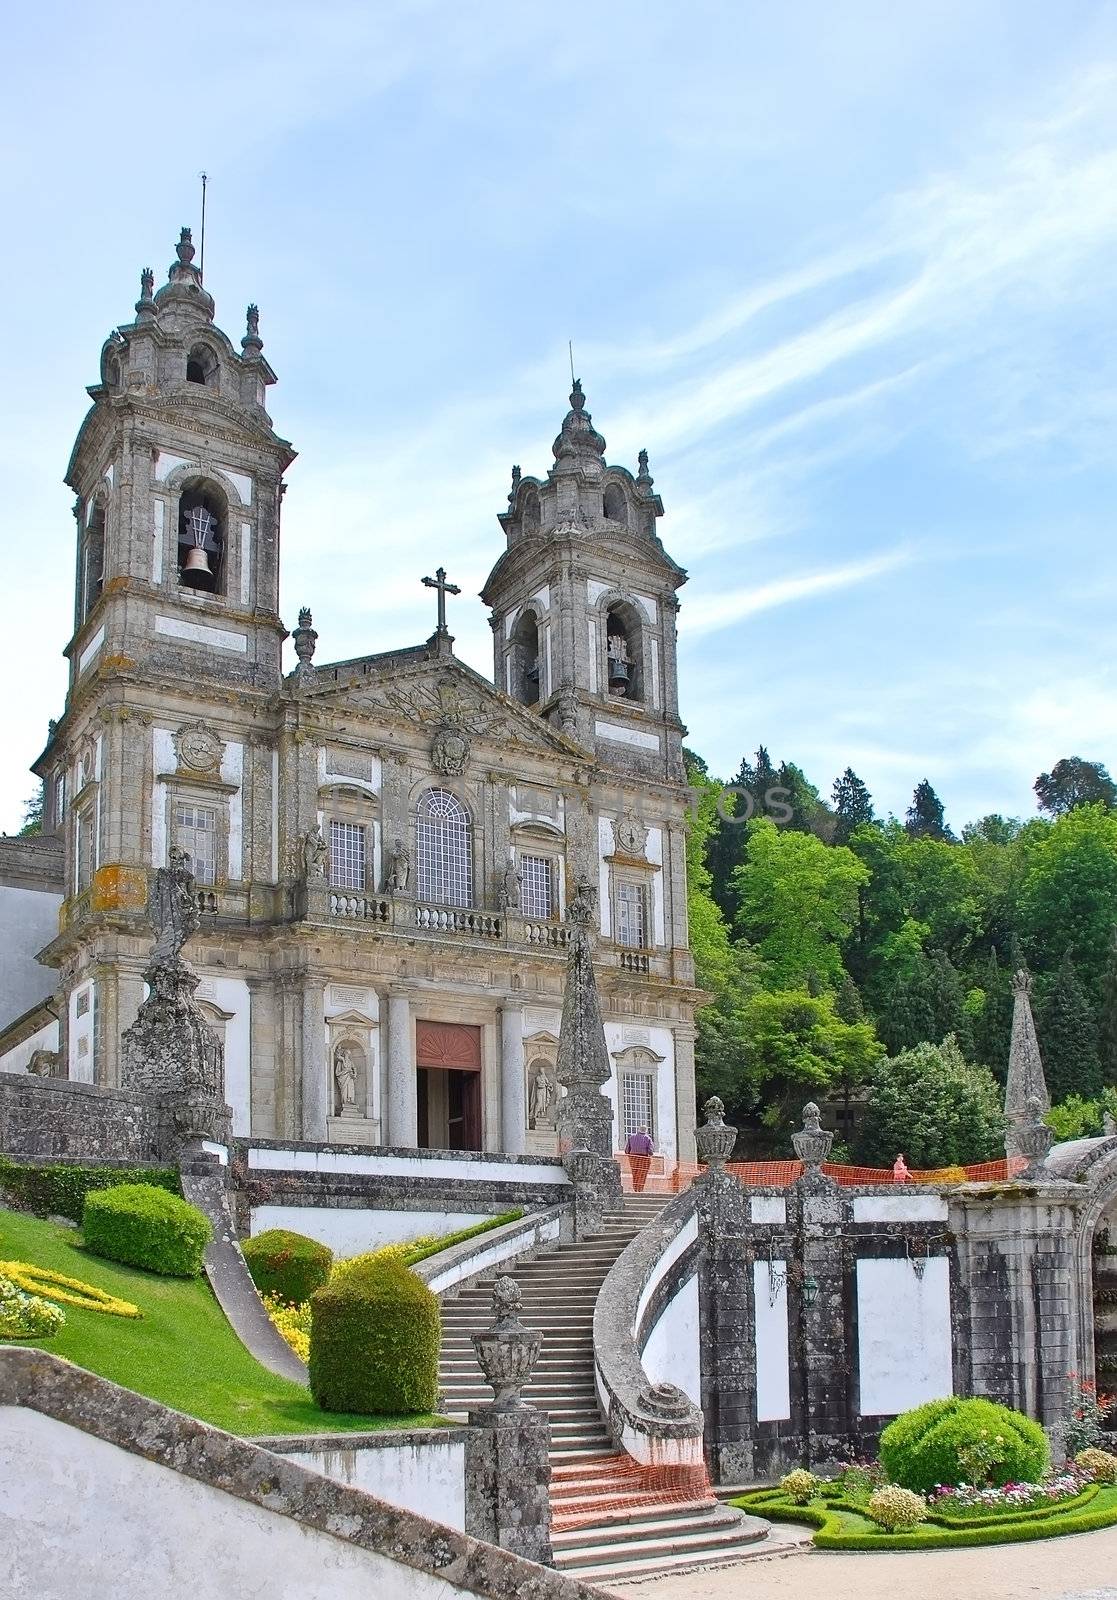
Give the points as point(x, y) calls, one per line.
point(1077, 1567)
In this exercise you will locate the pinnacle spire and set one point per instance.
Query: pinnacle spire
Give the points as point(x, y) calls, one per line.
point(1026, 1081)
point(252, 344)
point(577, 436)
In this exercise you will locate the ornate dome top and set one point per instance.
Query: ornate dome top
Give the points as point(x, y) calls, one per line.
point(578, 437)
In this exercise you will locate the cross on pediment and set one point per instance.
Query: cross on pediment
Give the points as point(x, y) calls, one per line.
point(439, 582)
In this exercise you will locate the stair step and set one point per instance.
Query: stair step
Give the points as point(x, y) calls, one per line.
point(649, 1522)
point(636, 1549)
point(621, 1570)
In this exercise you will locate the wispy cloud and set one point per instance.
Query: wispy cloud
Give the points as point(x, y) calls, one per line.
point(708, 614)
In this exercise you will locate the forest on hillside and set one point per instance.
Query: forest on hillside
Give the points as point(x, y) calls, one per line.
point(869, 961)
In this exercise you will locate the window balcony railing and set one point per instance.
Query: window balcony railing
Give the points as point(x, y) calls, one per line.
point(634, 961)
point(551, 935)
point(453, 919)
point(360, 907)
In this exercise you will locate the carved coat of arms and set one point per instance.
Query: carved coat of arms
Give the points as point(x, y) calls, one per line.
point(450, 751)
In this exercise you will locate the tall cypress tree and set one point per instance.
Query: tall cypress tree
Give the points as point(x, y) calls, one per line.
point(852, 804)
point(1107, 1017)
point(726, 849)
point(1068, 1036)
point(907, 1017)
point(925, 818)
point(946, 994)
point(848, 1004)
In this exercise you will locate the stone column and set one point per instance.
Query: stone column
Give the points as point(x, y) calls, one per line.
point(315, 1099)
point(403, 1131)
point(513, 1094)
point(685, 1110)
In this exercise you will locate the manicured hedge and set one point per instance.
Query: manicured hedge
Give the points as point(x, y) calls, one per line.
point(411, 1252)
point(59, 1190)
point(287, 1264)
point(374, 1342)
point(921, 1448)
point(146, 1227)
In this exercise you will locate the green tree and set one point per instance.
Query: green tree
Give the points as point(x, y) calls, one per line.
point(906, 1017)
point(1075, 1118)
point(1107, 1015)
point(848, 1003)
point(809, 812)
point(1068, 1035)
point(798, 1048)
point(947, 994)
point(1068, 896)
point(925, 818)
point(797, 902)
point(33, 813)
point(1074, 782)
point(930, 1104)
point(993, 1023)
point(739, 801)
point(852, 805)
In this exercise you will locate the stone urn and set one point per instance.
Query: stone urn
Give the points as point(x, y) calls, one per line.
point(507, 1352)
point(715, 1139)
point(812, 1143)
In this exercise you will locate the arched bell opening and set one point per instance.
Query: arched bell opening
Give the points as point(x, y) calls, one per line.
point(202, 531)
point(614, 506)
point(624, 653)
point(201, 365)
point(525, 675)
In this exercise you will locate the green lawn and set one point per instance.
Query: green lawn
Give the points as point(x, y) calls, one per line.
point(183, 1352)
point(841, 1527)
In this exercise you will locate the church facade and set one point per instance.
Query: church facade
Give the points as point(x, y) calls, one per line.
point(384, 847)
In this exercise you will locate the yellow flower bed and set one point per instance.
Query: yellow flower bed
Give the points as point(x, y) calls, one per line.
point(292, 1321)
point(70, 1291)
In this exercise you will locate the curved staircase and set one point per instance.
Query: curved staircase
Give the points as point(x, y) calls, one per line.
point(611, 1520)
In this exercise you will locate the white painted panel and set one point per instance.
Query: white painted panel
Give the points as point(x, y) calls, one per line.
point(542, 597)
point(232, 994)
point(28, 921)
point(773, 1369)
point(232, 772)
point(165, 464)
point(768, 1208)
point(686, 1236)
point(200, 633)
point(81, 1034)
point(163, 760)
point(275, 816)
point(158, 532)
point(91, 649)
point(619, 735)
point(547, 658)
point(650, 606)
point(241, 480)
point(591, 627)
point(903, 1334)
point(18, 1058)
point(245, 561)
point(604, 850)
point(672, 1353)
point(419, 1477)
point(655, 855)
point(80, 1517)
point(905, 1207)
point(352, 1232)
point(506, 1249)
point(595, 589)
point(110, 474)
point(655, 677)
point(377, 1165)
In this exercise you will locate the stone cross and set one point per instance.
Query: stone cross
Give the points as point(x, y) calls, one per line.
point(439, 582)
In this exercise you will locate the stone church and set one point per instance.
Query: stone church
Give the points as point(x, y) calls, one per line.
point(384, 847)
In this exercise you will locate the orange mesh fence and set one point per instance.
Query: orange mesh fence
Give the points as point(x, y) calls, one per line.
point(583, 1493)
point(658, 1175)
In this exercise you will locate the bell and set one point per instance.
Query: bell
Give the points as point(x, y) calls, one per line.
point(197, 561)
point(618, 676)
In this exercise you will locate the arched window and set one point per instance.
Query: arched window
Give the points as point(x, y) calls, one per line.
point(614, 504)
point(445, 850)
point(92, 560)
point(202, 521)
point(624, 652)
point(531, 517)
point(525, 677)
point(201, 365)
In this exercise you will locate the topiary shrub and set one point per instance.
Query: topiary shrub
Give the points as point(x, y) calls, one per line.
point(1100, 1464)
point(146, 1227)
point(940, 1443)
point(799, 1485)
point(58, 1189)
point(374, 1342)
point(287, 1264)
point(896, 1510)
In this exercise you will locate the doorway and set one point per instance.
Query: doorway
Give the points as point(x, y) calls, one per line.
point(448, 1086)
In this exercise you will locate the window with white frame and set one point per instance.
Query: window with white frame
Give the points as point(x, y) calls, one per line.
point(630, 902)
point(347, 855)
point(85, 848)
point(195, 831)
point(637, 1103)
point(537, 887)
point(445, 850)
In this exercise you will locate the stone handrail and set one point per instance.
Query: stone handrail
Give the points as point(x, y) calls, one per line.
point(657, 1424)
point(451, 1269)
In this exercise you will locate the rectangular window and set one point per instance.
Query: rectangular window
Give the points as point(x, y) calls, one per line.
point(347, 855)
point(196, 833)
point(59, 799)
point(85, 846)
point(637, 1103)
point(537, 894)
point(632, 915)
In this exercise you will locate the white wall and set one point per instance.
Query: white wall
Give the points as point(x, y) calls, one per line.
point(618, 1037)
point(18, 1058)
point(773, 1369)
point(80, 1517)
point(375, 1165)
point(672, 1353)
point(81, 1039)
point(903, 1334)
point(28, 922)
point(426, 1478)
point(233, 995)
point(351, 1232)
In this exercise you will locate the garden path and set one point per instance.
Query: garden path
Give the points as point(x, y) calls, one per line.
point(1076, 1567)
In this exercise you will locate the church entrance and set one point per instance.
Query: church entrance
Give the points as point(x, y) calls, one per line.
point(448, 1085)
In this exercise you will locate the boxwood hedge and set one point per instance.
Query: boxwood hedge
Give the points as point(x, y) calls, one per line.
point(287, 1264)
point(921, 1448)
point(58, 1189)
point(146, 1227)
point(374, 1342)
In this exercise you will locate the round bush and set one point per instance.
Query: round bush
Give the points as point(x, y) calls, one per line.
point(1100, 1464)
point(287, 1264)
point(896, 1510)
point(932, 1444)
point(374, 1342)
point(146, 1227)
point(799, 1485)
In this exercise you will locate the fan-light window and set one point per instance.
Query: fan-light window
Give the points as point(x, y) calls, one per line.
point(347, 855)
point(445, 850)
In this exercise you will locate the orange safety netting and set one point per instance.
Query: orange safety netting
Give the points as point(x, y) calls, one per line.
point(658, 1175)
point(586, 1492)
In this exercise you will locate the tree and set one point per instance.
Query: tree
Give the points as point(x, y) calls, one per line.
point(1068, 1036)
point(33, 813)
point(809, 812)
point(947, 995)
point(797, 902)
point(1074, 782)
point(925, 818)
point(907, 1016)
point(798, 1048)
point(852, 804)
point(848, 1003)
point(934, 1107)
point(1107, 1016)
point(1068, 895)
point(743, 799)
point(993, 1022)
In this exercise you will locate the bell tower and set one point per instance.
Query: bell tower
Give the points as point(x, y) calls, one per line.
point(584, 604)
point(177, 473)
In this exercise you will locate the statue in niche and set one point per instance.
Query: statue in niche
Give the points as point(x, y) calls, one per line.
point(541, 1113)
point(316, 855)
point(345, 1080)
point(399, 871)
point(509, 892)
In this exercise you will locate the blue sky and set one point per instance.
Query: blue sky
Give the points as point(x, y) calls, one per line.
point(848, 272)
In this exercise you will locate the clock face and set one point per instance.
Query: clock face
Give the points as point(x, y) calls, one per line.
point(200, 749)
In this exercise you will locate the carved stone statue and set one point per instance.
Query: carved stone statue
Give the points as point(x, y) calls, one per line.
point(316, 855)
point(399, 870)
point(345, 1077)
point(172, 907)
point(509, 893)
point(542, 1099)
point(43, 1064)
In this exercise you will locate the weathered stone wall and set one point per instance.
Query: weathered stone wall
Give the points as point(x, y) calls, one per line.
point(55, 1117)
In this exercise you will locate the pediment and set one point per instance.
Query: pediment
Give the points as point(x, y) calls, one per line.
point(440, 694)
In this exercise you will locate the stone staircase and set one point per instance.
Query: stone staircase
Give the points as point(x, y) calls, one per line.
point(610, 1520)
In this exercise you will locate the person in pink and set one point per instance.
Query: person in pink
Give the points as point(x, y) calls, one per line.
point(901, 1173)
point(640, 1148)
